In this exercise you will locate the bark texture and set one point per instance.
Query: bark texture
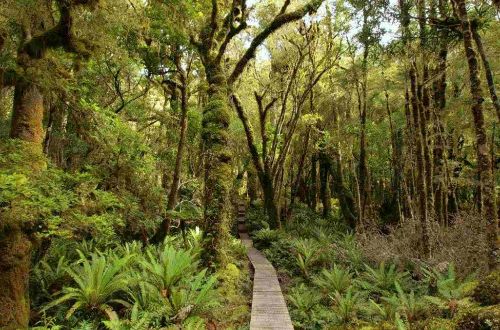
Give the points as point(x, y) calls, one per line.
point(484, 163)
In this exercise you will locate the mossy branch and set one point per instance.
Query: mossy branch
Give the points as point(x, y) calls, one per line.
point(61, 34)
point(278, 21)
point(249, 134)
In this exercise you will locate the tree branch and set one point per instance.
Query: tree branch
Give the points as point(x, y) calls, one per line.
point(61, 34)
point(284, 7)
point(249, 134)
point(278, 22)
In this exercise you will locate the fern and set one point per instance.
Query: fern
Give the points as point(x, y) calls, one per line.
point(450, 290)
point(306, 255)
point(196, 296)
point(97, 282)
point(165, 269)
point(336, 280)
point(406, 304)
point(347, 307)
point(304, 303)
point(137, 321)
point(381, 281)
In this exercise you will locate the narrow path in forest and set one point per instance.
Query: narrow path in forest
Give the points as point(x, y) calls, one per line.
point(269, 310)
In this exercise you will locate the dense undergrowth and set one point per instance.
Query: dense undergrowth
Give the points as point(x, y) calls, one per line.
point(107, 285)
point(90, 271)
point(336, 279)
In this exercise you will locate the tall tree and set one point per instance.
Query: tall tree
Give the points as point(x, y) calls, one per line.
point(211, 44)
point(484, 162)
point(27, 126)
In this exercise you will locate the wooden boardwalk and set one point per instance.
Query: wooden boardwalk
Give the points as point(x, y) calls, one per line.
point(269, 309)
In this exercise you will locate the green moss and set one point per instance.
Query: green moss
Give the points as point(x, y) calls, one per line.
point(480, 318)
point(218, 118)
point(235, 292)
point(435, 324)
point(213, 136)
point(487, 291)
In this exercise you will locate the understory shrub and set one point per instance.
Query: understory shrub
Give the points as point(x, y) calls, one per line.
point(127, 286)
point(336, 279)
point(462, 243)
point(487, 291)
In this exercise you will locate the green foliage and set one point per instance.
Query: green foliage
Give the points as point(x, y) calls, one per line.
point(137, 321)
point(306, 311)
point(335, 280)
point(408, 305)
point(263, 238)
point(307, 254)
point(98, 281)
point(487, 318)
point(382, 280)
point(450, 290)
point(196, 296)
point(234, 292)
point(256, 218)
point(487, 292)
point(347, 308)
point(166, 266)
point(281, 255)
point(48, 278)
point(126, 286)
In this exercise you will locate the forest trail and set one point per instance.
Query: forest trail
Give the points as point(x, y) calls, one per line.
point(269, 310)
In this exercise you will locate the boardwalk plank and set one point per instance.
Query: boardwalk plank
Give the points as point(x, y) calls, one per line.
point(269, 310)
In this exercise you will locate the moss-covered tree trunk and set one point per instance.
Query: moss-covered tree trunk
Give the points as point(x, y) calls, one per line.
point(27, 113)
point(484, 162)
point(417, 114)
point(172, 197)
point(252, 184)
point(487, 70)
point(15, 258)
point(439, 85)
point(27, 126)
point(15, 245)
point(216, 119)
point(269, 200)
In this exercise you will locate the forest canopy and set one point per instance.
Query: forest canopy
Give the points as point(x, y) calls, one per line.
point(357, 139)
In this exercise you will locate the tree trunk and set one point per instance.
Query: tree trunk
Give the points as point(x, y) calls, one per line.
point(252, 184)
point(487, 71)
point(215, 135)
point(269, 200)
point(56, 134)
point(172, 196)
point(174, 187)
point(345, 197)
point(483, 157)
point(15, 259)
point(324, 192)
point(363, 168)
point(295, 184)
point(313, 186)
point(419, 141)
point(440, 186)
point(27, 113)
point(15, 245)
